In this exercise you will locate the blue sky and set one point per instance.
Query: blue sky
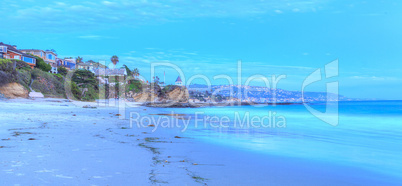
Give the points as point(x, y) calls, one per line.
point(208, 37)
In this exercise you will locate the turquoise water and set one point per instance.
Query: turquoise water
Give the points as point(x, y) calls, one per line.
point(369, 134)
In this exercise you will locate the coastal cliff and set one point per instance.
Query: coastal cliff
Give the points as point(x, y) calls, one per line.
point(170, 93)
point(178, 94)
point(145, 97)
point(12, 81)
point(14, 90)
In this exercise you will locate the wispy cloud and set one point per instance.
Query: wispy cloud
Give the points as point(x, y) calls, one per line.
point(74, 14)
point(278, 11)
point(375, 78)
point(90, 37)
point(373, 14)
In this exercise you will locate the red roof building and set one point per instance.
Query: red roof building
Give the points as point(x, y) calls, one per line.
point(10, 52)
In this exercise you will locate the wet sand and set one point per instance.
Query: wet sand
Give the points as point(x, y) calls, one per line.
point(54, 141)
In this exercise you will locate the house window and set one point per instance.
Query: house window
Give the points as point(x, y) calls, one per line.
point(17, 57)
point(3, 49)
point(28, 60)
point(50, 56)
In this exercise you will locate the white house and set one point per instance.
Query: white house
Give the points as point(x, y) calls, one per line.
point(178, 81)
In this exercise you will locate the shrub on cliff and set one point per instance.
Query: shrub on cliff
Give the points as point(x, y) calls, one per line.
point(21, 65)
point(15, 71)
point(40, 64)
point(169, 88)
point(5, 78)
point(91, 94)
point(156, 88)
point(59, 77)
point(75, 91)
point(84, 77)
point(84, 80)
point(63, 71)
point(24, 78)
point(134, 85)
point(6, 65)
point(7, 72)
point(47, 84)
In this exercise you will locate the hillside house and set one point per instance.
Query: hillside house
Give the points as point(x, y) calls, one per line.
point(48, 56)
point(11, 52)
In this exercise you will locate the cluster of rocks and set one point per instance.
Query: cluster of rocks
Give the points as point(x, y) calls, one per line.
point(2, 96)
point(166, 104)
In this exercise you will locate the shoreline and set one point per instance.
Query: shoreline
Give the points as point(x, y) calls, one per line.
point(209, 104)
point(57, 141)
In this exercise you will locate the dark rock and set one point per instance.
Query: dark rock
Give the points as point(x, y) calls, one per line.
point(87, 106)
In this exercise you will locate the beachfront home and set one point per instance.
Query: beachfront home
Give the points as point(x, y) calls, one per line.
point(36, 52)
point(178, 81)
point(85, 66)
point(48, 56)
point(30, 60)
point(61, 63)
point(3, 50)
point(69, 64)
point(10, 52)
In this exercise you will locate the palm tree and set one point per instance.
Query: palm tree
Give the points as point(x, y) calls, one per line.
point(78, 59)
point(114, 60)
point(136, 72)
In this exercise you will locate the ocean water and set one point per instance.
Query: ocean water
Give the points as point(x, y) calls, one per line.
point(369, 134)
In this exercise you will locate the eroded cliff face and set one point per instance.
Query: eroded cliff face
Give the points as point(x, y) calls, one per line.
point(145, 97)
point(176, 94)
point(14, 90)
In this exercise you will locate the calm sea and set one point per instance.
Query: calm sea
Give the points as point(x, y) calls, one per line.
point(369, 134)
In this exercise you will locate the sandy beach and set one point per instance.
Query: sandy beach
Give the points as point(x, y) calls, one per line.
point(54, 141)
point(49, 141)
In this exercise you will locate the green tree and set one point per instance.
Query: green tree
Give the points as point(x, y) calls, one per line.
point(129, 72)
point(84, 77)
point(75, 91)
point(156, 80)
point(79, 59)
point(63, 71)
point(114, 60)
point(42, 65)
point(134, 85)
point(84, 80)
point(136, 72)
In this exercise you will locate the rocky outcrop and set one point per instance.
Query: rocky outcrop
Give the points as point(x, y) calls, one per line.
point(169, 95)
point(178, 94)
point(170, 105)
point(14, 90)
point(145, 97)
